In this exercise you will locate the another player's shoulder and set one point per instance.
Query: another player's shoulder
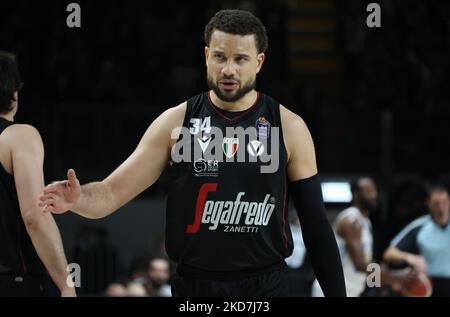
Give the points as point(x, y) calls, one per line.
point(22, 136)
point(412, 229)
point(347, 222)
point(22, 132)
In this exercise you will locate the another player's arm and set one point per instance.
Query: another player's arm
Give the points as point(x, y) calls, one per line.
point(138, 172)
point(406, 251)
point(27, 154)
point(350, 231)
point(394, 255)
point(306, 192)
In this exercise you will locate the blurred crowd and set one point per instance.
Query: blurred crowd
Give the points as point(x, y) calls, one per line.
point(404, 68)
point(123, 53)
point(150, 56)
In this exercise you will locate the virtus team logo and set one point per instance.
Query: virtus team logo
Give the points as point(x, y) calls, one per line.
point(255, 148)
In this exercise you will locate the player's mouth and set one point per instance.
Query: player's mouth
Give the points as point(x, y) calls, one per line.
point(441, 218)
point(228, 84)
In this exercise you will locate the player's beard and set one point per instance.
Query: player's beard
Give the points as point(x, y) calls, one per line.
point(369, 205)
point(234, 96)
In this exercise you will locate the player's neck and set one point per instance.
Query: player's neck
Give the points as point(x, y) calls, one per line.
point(240, 105)
point(363, 211)
point(8, 116)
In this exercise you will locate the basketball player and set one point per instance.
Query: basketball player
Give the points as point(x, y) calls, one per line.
point(30, 241)
point(354, 236)
point(354, 233)
point(424, 244)
point(226, 225)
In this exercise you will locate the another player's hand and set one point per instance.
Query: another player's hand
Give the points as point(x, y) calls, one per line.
point(402, 280)
point(60, 197)
point(417, 262)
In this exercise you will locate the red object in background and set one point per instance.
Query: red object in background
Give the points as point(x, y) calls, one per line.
point(420, 287)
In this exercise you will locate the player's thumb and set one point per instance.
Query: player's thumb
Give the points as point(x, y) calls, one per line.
point(72, 178)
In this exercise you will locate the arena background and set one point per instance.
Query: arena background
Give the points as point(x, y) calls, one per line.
point(375, 99)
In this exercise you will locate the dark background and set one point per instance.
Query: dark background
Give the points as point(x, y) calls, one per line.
point(375, 99)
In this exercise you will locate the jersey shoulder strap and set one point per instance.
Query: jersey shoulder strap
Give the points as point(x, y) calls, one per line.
point(4, 124)
point(195, 105)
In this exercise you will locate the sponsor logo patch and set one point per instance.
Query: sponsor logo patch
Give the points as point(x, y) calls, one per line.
point(209, 168)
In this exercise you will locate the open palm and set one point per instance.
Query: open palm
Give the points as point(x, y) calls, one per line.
point(60, 197)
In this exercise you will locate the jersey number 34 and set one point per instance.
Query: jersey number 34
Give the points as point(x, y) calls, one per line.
point(199, 125)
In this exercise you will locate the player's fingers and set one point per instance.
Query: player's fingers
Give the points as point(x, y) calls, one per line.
point(49, 201)
point(49, 208)
point(47, 196)
point(72, 178)
point(51, 187)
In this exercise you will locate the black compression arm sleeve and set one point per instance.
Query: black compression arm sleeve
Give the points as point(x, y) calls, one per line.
point(318, 235)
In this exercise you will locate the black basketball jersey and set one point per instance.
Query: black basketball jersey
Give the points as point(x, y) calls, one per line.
point(227, 203)
point(17, 254)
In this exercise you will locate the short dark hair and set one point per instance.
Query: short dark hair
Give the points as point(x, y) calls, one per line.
point(355, 184)
point(10, 81)
point(238, 22)
point(434, 187)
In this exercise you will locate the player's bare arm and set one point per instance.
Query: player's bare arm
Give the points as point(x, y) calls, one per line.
point(142, 168)
point(26, 164)
point(396, 256)
point(299, 145)
point(350, 230)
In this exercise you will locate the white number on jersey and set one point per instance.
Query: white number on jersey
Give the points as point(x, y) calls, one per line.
point(198, 125)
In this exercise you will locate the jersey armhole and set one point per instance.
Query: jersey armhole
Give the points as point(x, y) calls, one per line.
point(278, 117)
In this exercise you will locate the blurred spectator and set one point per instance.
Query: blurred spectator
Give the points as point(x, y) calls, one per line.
point(354, 236)
point(116, 290)
point(424, 243)
point(159, 275)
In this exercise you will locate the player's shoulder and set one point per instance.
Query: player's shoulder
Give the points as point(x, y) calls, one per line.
point(176, 112)
point(412, 229)
point(290, 118)
point(347, 223)
point(171, 119)
point(22, 135)
point(349, 229)
point(22, 132)
point(293, 124)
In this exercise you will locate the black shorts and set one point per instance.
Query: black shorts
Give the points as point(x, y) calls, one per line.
point(269, 284)
point(22, 285)
point(441, 287)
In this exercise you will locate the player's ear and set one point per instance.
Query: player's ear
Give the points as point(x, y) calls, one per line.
point(260, 60)
point(206, 54)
